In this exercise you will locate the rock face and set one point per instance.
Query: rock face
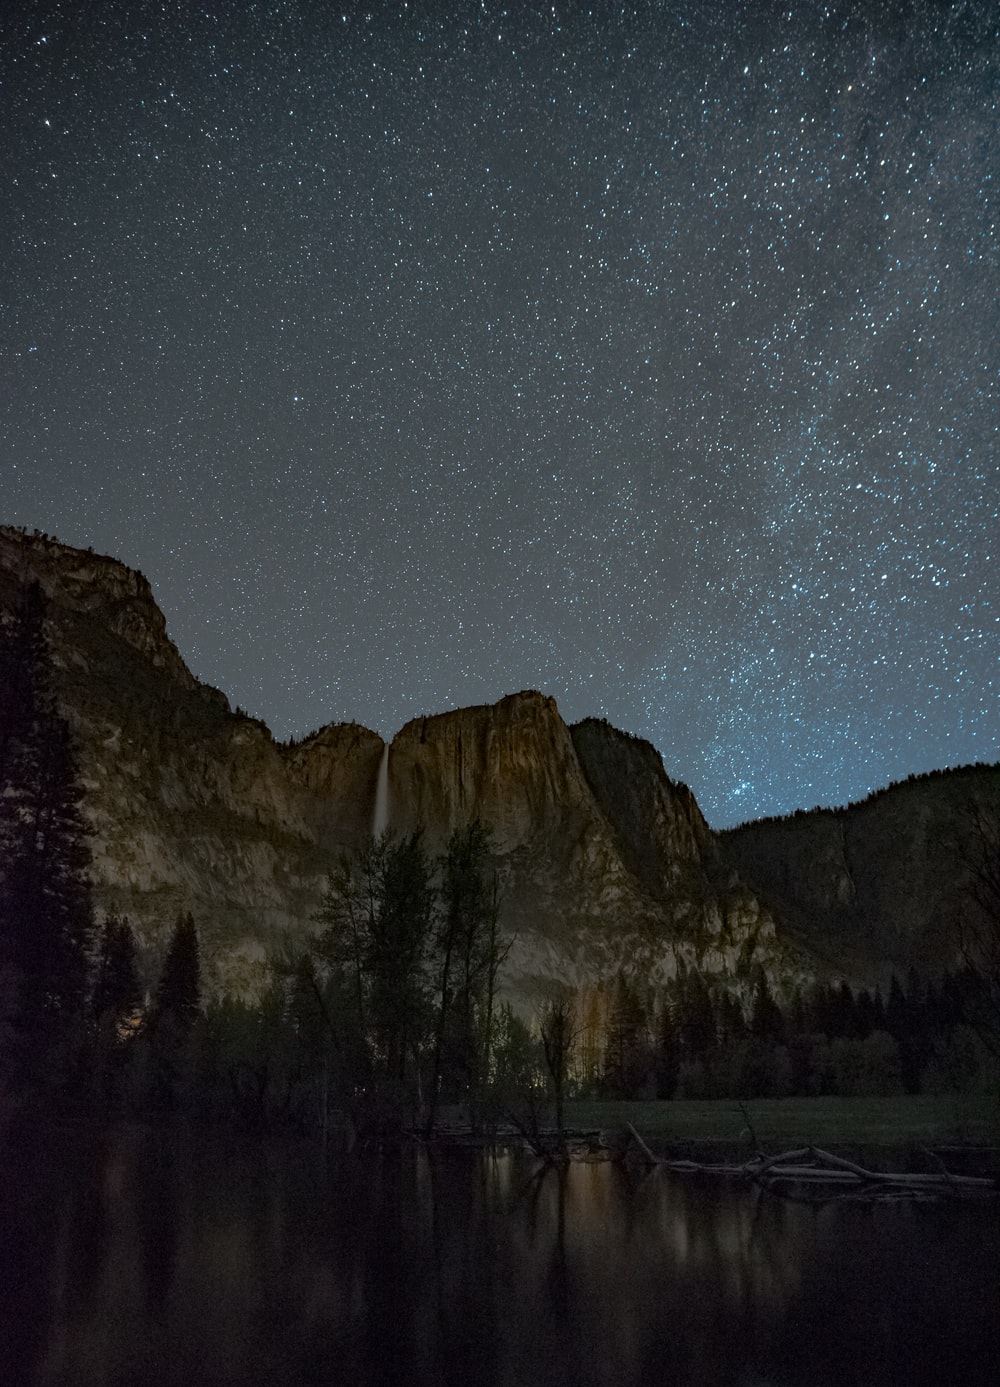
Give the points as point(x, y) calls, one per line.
point(878, 884)
point(605, 863)
point(663, 835)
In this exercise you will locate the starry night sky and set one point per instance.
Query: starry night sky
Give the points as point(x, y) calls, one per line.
point(644, 354)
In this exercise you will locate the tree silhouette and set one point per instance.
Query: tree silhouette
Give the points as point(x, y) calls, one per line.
point(115, 1003)
point(378, 910)
point(176, 1010)
point(117, 991)
point(178, 992)
point(46, 918)
point(466, 955)
point(558, 1038)
point(628, 1057)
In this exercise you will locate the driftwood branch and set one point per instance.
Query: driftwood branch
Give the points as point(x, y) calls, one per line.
point(812, 1166)
point(824, 1167)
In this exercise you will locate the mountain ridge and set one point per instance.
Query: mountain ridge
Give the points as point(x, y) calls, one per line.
point(607, 864)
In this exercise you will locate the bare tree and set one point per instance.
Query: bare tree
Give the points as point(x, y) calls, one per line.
point(558, 1037)
point(467, 952)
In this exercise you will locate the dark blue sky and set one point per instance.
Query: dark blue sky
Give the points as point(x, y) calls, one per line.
point(644, 354)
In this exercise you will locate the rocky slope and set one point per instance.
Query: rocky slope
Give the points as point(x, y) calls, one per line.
point(876, 885)
point(605, 863)
point(193, 807)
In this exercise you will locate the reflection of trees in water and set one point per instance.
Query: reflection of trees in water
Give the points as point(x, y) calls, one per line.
point(469, 1279)
point(150, 1260)
point(34, 1216)
point(71, 1257)
point(157, 1216)
point(750, 1247)
point(649, 1275)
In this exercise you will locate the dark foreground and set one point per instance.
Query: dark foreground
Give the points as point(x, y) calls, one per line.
point(168, 1256)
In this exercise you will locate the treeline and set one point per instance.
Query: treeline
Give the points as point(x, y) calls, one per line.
point(698, 1038)
point(391, 1012)
point(839, 810)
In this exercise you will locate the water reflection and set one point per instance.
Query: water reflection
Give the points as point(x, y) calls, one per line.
point(159, 1258)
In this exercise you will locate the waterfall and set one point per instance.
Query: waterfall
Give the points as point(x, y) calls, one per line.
point(380, 819)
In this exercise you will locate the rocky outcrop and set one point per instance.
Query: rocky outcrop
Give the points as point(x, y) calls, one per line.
point(606, 864)
point(512, 764)
point(567, 894)
point(662, 833)
point(115, 598)
point(193, 807)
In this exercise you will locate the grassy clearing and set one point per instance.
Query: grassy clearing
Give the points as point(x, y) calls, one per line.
point(781, 1123)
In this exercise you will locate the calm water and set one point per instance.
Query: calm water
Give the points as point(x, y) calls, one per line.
point(149, 1259)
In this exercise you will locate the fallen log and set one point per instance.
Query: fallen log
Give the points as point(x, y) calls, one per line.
point(826, 1168)
point(650, 1158)
point(812, 1166)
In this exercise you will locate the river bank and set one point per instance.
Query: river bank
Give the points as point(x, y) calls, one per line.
point(882, 1131)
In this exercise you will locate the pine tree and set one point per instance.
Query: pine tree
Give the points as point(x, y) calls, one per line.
point(115, 1003)
point(45, 902)
point(178, 992)
point(117, 994)
point(628, 1059)
point(695, 1016)
point(668, 1053)
point(766, 1020)
point(176, 1010)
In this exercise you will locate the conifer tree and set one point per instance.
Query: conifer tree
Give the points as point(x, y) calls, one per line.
point(45, 901)
point(178, 992)
point(176, 1010)
point(628, 1060)
point(668, 1054)
point(766, 1020)
point(115, 1002)
point(117, 993)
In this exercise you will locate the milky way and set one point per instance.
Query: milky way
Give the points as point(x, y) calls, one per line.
point(644, 354)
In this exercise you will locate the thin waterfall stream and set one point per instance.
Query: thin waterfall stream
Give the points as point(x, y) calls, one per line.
point(380, 818)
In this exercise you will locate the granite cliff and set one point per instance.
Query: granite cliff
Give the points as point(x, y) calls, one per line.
point(605, 862)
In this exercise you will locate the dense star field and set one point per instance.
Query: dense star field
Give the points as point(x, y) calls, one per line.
point(644, 354)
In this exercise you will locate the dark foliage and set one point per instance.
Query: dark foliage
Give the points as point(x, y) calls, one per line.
point(45, 905)
point(980, 922)
point(117, 990)
point(115, 1006)
point(169, 1047)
